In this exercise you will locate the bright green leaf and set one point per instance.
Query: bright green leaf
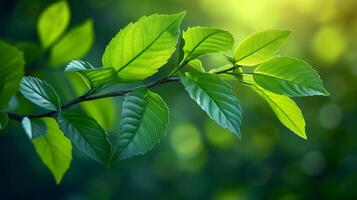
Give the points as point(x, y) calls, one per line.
point(203, 40)
point(87, 135)
point(4, 119)
point(197, 65)
point(284, 108)
point(74, 45)
point(54, 149)
point(216, 98)
point(53, 22)
point(259, 47)
point(11, 71)
point(40, 93)
point(93, 77)
point(141, 48)
point(34, 127)
point(289, 76)
point(144, 119)
point(222, 68)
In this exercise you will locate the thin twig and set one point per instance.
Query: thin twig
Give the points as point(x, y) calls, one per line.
point(84, 98)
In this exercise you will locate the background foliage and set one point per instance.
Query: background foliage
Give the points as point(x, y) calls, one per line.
point(197, 159)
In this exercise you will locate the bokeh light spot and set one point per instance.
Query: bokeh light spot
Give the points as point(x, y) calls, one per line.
point(186, 141)
point(219, 137)
point(330, 115)
point(313, 163)
point(328, 44)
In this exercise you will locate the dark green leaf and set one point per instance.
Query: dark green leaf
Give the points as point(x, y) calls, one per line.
point(34, 127)
point(40, 93)
point(87, 135)
point(289, 76)
point(11, 71)
point(143, 121)
point(216, 98)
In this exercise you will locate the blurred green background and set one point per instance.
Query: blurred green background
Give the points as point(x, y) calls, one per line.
point(197, 159)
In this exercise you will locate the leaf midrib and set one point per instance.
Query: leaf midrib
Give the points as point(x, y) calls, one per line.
point(276, 105)
point(140, 121)
point(148, 46)
point(222, 110)
point(282, 79)
point(262, 47)
point(199, 43)
point(44, 96)
point(85, 138)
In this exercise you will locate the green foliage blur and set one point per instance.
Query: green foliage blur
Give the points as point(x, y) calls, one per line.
point(197, 159)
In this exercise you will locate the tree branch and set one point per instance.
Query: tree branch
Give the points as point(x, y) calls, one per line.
point(88, 97)
point(75, 101)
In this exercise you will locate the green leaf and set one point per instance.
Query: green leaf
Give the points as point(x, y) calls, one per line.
point(93, 77)
point(12, 69)
point(144, 119)
point(54, 149)
point(4, 120)
point(216, 98)
point(53, 22)
point(74, 45)
point(203, 40)
point(87, 135)
point(289, 76)
point(141, 48)
point(259, 47)
point(34, 127)
point(284, 108)
point(197, 65)
point(40, 93)
point(222, 68)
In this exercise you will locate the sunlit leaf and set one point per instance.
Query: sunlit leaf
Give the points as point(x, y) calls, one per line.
point(284, 108)
point(221, 68)
point(74, 45)
point(197, 65)
point(93, 77)
point(40, 93)
point(87, 135)
point(216, 98)
point(141, 48)
point(259, 47)
point(54, 149)
point(143, 121)
point(289, 76)
point(203, 40)
point(34, 127)
point(53, 22)
point(11, 71)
